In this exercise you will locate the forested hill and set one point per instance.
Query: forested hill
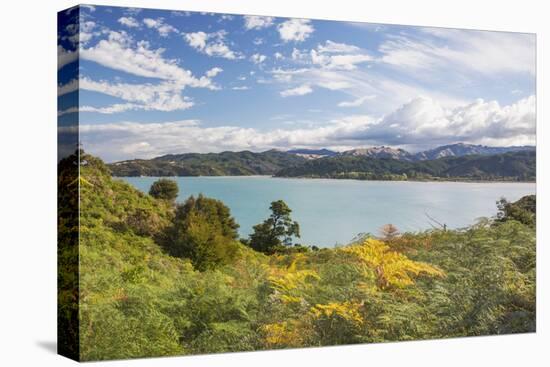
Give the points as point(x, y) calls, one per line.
point(517, 166)
point(243, 163)
point(510, 166)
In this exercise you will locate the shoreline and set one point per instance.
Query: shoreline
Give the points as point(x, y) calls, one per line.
point(442, 180)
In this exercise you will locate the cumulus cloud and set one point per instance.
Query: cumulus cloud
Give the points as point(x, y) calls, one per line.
point(120, 52)
point(213, 72)
point(162, 28)
point(124, 140)
point(298, 91)
point(257, 22)
point(421, 123)
point(356, 102)
point(424, 121)
point(258, 58)
point(129, 22)
point(297, 30)
point(211, 44)
point(80, 32)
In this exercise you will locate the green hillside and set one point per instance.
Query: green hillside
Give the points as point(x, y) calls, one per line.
point(137, 300)
point(210, 164)
point(511, 166)
point(516, 166)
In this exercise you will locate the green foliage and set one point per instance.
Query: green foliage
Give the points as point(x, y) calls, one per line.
point(164, 189)
point(203, 231)
point(137, 300)
point(275, 231)
point(524, 210)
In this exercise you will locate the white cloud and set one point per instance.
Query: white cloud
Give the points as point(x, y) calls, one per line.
point(258, 58)
point(115, 108)
point(257, 22)
point(70, 86)
point(419, 123)
point(124, 140)
point(339, 56)
point(80, 33)
point(213, 72)
point(424, 121)
point(335, 47)
point(120, 52)
point(297, 30)
point(211, 44)
point(298, 91)
point(91, 8)
point(129, 22)
point(356, 102)
point(161, 27)
point(65, 57)
point(161, 97)
point(461, 50)
point(244, 87)
point(342, 62)
point(278, 56)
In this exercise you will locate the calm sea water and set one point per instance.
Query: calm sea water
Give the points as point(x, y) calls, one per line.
point(334, 211)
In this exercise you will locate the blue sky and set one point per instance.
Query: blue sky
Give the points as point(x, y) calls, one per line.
point(154, 82)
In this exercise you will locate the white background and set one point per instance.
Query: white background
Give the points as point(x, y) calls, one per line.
point(28, 182)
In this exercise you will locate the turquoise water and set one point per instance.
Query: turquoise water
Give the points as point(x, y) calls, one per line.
point(334, 211)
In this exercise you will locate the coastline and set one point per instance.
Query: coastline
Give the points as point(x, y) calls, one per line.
point(439, 180)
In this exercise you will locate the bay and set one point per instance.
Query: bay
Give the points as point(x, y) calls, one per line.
point(332, 212)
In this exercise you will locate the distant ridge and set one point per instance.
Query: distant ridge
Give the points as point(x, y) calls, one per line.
point(369, 163)
point(461, 149)
point(451, 150)
point(380, 152)
point(313, 153)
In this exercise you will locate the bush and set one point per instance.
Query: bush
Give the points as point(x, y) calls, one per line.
point(203, 231)
point(164, 189)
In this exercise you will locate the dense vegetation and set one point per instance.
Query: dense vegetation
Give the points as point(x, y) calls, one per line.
point(510, 166)
point(210, 164)
point(164, 189)
point(150, 286)
point(515, 166)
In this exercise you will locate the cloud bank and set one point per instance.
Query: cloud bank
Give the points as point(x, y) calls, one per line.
point(418, 124)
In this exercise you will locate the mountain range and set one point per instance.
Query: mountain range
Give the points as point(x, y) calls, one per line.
point(456, 161)
point(452, 150)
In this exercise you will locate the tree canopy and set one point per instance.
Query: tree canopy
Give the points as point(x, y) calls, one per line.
point(164, 189)
point(276, 231)
point(204, 231)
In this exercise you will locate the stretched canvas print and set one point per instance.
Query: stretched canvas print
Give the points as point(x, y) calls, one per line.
point(242, 183)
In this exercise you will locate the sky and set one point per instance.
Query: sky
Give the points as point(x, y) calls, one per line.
point(143, 83)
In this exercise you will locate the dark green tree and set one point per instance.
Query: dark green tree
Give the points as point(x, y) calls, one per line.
point(524, 210)
point(164, 189)
point(275, 231)
point(203, 231)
